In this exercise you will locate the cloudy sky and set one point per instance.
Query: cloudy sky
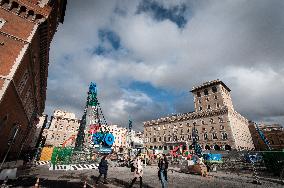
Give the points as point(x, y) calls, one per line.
point(145, 56)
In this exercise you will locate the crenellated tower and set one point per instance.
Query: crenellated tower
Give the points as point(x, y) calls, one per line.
point(211, 96)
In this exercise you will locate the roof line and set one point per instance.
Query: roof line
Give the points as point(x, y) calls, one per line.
point(210, 83)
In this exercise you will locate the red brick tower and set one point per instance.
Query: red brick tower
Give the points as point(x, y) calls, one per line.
point(26, 30)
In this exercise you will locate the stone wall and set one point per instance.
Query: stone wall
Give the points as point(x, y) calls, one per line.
point(240, 130)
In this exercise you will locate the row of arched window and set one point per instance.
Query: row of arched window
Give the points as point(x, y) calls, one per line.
point(206, 147)
point(209, 107)
point(174, 138)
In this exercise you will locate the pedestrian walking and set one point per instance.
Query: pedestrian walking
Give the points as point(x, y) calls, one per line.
point(163, 171)
point(138, 171)
point(103, 168)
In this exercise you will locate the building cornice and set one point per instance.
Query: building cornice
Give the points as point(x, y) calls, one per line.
point(14, 37)
point(64, 118)
point(187, 116)
point(34, 20)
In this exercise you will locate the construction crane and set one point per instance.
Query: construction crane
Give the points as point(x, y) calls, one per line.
point(262, 136)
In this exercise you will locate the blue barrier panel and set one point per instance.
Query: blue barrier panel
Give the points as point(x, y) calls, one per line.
point(212, 157)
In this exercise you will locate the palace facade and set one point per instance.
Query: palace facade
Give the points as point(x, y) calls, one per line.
point(218, 126)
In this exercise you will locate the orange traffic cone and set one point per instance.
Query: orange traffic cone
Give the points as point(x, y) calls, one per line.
point(37, 183)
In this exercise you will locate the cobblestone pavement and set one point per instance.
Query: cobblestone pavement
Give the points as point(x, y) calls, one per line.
point(121, 177)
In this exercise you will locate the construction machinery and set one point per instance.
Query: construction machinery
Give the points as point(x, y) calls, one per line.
point(274, 160)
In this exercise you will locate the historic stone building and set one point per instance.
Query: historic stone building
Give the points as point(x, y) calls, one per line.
point(274, 134)
point(137, 139)
point(63, 129)
point(217, 124)
point(120, 134)
point(26, 30)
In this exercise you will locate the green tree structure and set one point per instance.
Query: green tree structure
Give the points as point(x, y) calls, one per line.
point(90, 117)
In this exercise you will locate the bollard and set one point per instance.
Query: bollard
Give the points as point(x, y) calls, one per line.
point(37, 183)
point(85, 184)
point(214, 168)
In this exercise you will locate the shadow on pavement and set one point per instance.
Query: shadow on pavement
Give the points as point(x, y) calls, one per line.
point(121, 183)
point(31, 181)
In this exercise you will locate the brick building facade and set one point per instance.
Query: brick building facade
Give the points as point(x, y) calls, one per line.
point(218, 125)
point(26, 30)
point(63, 128)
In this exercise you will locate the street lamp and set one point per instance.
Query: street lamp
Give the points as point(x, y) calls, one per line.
point(11, 141)
point(197, 148)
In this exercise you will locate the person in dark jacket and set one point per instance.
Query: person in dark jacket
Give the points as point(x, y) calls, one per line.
point(163, 168)
point(103, 168)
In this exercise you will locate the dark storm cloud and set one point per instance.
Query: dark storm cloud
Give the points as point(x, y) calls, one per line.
point(160, 13)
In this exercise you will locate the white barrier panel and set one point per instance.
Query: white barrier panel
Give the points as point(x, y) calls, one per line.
point(59, 167)
point(74, 167)
point(39, 163)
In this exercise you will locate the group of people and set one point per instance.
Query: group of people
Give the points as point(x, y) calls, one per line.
point(137, 169)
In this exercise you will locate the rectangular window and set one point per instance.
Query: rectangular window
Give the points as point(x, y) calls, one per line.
point(214, 136)
point(23, 82)
point(205, 136)
point(189, 137)
point(224, 136)
point(2, 22)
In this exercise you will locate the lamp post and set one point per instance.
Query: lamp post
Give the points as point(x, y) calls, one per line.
point(197, 148)
point(11, 142)
point(39, 148)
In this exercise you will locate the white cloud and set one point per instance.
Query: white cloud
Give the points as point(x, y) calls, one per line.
point(257, 92)
point(240, 42)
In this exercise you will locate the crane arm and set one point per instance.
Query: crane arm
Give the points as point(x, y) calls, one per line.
point(262, 136)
